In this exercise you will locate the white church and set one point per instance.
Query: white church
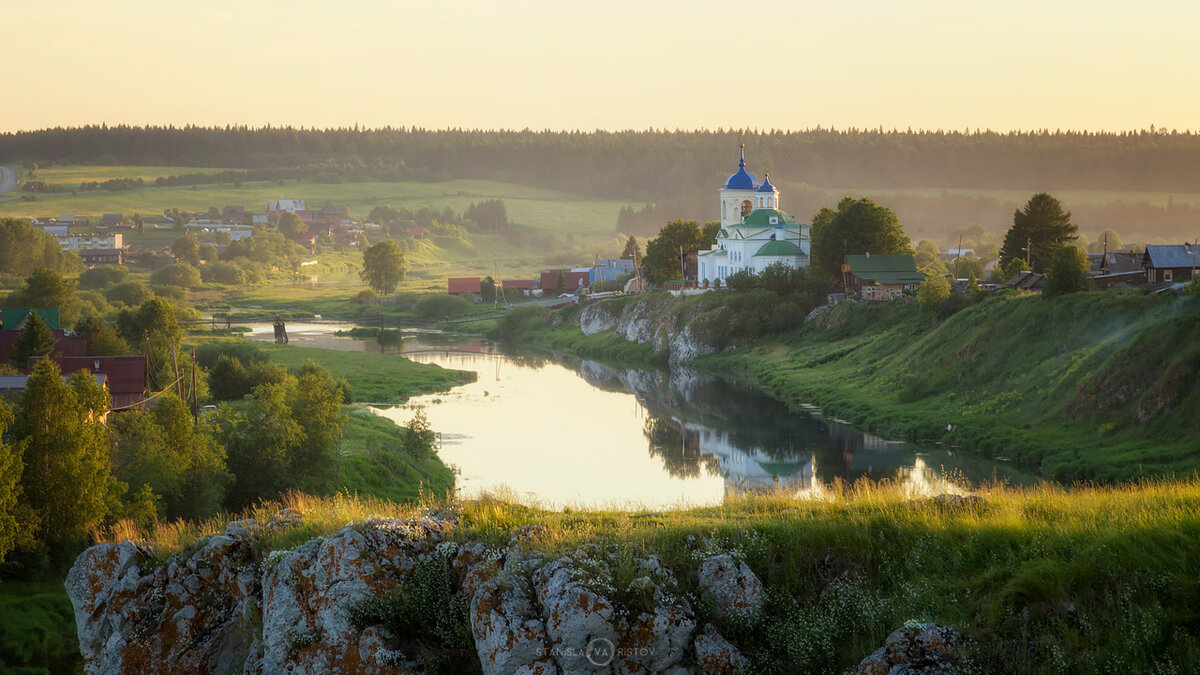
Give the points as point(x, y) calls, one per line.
point(754, 232)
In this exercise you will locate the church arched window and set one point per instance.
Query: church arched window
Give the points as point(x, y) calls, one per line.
point(747, 207)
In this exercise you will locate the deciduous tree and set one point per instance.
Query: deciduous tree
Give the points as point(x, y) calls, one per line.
point(67, 479)
point(383, 267)
point(291, 226)
point(663, 260)
point(1069, 272)
point(933, 291)
point(186, 249)
point(857, 226)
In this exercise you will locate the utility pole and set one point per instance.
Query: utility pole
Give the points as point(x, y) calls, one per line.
point(1028, 249)
point(195, 402)
point(175, 362)
point(957, 255)
point(1104, 257)
point(146, 358)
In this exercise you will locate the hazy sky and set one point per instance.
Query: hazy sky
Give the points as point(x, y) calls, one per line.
point(615, 64)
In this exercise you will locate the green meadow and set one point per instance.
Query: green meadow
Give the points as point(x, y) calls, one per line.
point(547, 210)
point(73, 174)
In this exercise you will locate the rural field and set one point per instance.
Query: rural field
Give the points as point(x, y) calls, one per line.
point(548, 210)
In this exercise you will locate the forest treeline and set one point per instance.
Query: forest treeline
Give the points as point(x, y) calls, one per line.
point(651, 165)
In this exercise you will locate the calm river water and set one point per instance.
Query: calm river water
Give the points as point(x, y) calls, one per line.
point(583, 433)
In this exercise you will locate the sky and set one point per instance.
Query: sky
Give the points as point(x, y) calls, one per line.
point(617, 64)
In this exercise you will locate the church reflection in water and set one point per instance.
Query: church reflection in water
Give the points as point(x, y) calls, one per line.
point(698, 424)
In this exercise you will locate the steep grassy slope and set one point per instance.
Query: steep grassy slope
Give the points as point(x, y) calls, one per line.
point(1092, 385)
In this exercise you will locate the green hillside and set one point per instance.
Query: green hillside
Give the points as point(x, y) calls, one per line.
point(1088, 386)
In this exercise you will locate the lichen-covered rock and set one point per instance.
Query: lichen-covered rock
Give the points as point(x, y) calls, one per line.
point(596, 318)
point(915, 648)
point(579, 619)
point(717, 656)
point(306, 628)
point(194, 614)
point(510, 637)
point(685, 345)
point(474, 564)
point(731, 584)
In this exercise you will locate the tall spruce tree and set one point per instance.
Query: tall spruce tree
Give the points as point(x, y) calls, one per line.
point(1042, 227)
point(35, 339)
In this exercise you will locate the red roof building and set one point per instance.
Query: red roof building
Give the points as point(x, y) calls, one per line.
point(124, 375)
point(523, 285)
point(463, 286)
point(66, 346)
point(574, 280)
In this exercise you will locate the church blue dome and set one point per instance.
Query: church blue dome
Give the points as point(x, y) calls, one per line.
point(766, 184)
point(742, 179)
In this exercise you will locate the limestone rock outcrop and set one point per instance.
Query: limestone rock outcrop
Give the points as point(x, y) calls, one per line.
point(336, 604)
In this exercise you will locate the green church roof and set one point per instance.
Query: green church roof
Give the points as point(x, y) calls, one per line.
point(762, 218)
point(780, 248)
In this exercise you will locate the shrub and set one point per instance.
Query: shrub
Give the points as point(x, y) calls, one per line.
point(519, 320)
point(132, 293)
point(933, 291)
point(223, 273)
point(177, 274)
point(441, 306)
point(102, 276)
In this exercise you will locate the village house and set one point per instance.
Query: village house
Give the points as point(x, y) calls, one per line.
point(1170, 263)
point(880, 277)
point(573, 279)
point(611, 269)
point(465, 286)
point(754, 232)
point(102, 256)
point(525, 286)
point(286, 206)
point(125, 376)
point(1027, 281)
point(1116, 269)
point(235, 215)
point(80, 242)
point(13, 319)
point(112, 219)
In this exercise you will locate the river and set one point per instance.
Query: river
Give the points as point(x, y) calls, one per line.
point(564, 432)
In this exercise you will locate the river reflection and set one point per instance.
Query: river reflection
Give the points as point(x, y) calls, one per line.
point(588, 433)
point(584, 433)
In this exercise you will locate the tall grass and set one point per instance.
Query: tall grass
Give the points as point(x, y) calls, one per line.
point(1043, 579)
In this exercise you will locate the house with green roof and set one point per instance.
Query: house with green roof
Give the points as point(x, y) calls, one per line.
point(880, 277)
point(754, 233)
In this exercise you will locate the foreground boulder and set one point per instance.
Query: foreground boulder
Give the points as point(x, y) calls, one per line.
point(395, 596)
point(916, 648)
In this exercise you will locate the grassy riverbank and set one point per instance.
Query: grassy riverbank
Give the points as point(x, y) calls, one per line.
point(1097, 385)
point(1039, 580)
point(373, 377)
point(1092, 385)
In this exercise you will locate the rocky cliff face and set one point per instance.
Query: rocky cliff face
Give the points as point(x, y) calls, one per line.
point(647, 320)
point(398, 596)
